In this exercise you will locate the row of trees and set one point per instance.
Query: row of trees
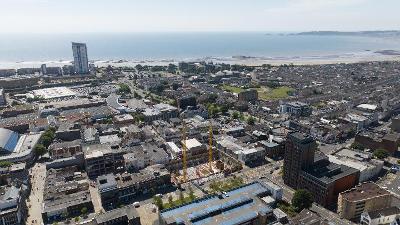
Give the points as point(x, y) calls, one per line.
point(45, 141)
point(157, 200)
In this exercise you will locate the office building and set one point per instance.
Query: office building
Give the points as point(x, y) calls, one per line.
point(248, 204)
point(325, 180)
point(299, 155)
point(303, 169)
point(81, 62)
point(364, 197)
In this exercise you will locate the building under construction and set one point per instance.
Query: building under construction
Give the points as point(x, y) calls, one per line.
point(194, 160)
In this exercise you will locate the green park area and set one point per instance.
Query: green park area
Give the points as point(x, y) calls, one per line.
point(264, 93)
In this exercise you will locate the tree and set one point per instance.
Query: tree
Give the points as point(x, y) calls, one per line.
point(235, 115)
point(191, 194)
point(181, 197)
point(381, 153)
point(302, 199)
point(40, 150)
point(46, 141)
point(251, 120)
point(158, 202)
point(84, 210)
point(170, 201)
point(124, 89)
point(5, 164)
point(77, 219)
point(357, 146)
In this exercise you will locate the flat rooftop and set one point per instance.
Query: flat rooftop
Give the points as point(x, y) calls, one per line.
point(235, 207)
point(364, 191)
point(330, 173)
point(56, 92)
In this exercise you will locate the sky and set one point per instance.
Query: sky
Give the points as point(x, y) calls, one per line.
point(78, 16)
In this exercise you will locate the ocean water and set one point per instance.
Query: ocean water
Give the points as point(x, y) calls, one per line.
point(37, 48)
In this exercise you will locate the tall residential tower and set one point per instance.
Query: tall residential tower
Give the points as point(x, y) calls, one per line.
point(81, 62)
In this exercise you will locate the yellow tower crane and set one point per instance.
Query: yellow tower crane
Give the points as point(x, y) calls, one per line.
point(210, 147)
point(184, 160)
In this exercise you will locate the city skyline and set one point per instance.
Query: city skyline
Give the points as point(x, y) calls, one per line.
point(43, 16)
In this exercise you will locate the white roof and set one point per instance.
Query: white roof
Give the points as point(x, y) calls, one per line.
point(173, 147)
point(56, 92)
point(192, 143)
point(367, 106)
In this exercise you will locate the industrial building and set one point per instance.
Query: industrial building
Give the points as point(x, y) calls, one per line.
point(248, 204)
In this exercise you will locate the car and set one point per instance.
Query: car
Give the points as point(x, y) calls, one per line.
point(158, 195)
point(136, 204)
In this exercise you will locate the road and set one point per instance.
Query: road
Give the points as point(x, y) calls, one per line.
point(38, 175)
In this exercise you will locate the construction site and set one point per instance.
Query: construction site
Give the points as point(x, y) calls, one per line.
point(202, 164)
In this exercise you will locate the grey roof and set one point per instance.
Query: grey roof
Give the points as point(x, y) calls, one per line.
point(127, 211)
point(9, 197)
point(384, 212)
point(8, 139)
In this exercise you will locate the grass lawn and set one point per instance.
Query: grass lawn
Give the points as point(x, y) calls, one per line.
point(287, 208)
point(232, 89)
point(178, 202)
point(264, 93)
point(219, 186)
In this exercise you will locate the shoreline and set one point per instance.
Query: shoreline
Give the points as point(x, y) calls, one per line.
point(242, 60)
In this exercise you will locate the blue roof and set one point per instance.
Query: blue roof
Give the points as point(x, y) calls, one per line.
point(254, 188)
point(241, 219)
point(8, 139)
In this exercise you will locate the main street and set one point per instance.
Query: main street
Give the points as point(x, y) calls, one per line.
point(38, 175)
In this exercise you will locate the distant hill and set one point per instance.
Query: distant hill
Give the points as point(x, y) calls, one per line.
point(386, 33)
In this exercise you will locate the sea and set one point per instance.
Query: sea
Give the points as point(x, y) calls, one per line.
point(32, 50)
